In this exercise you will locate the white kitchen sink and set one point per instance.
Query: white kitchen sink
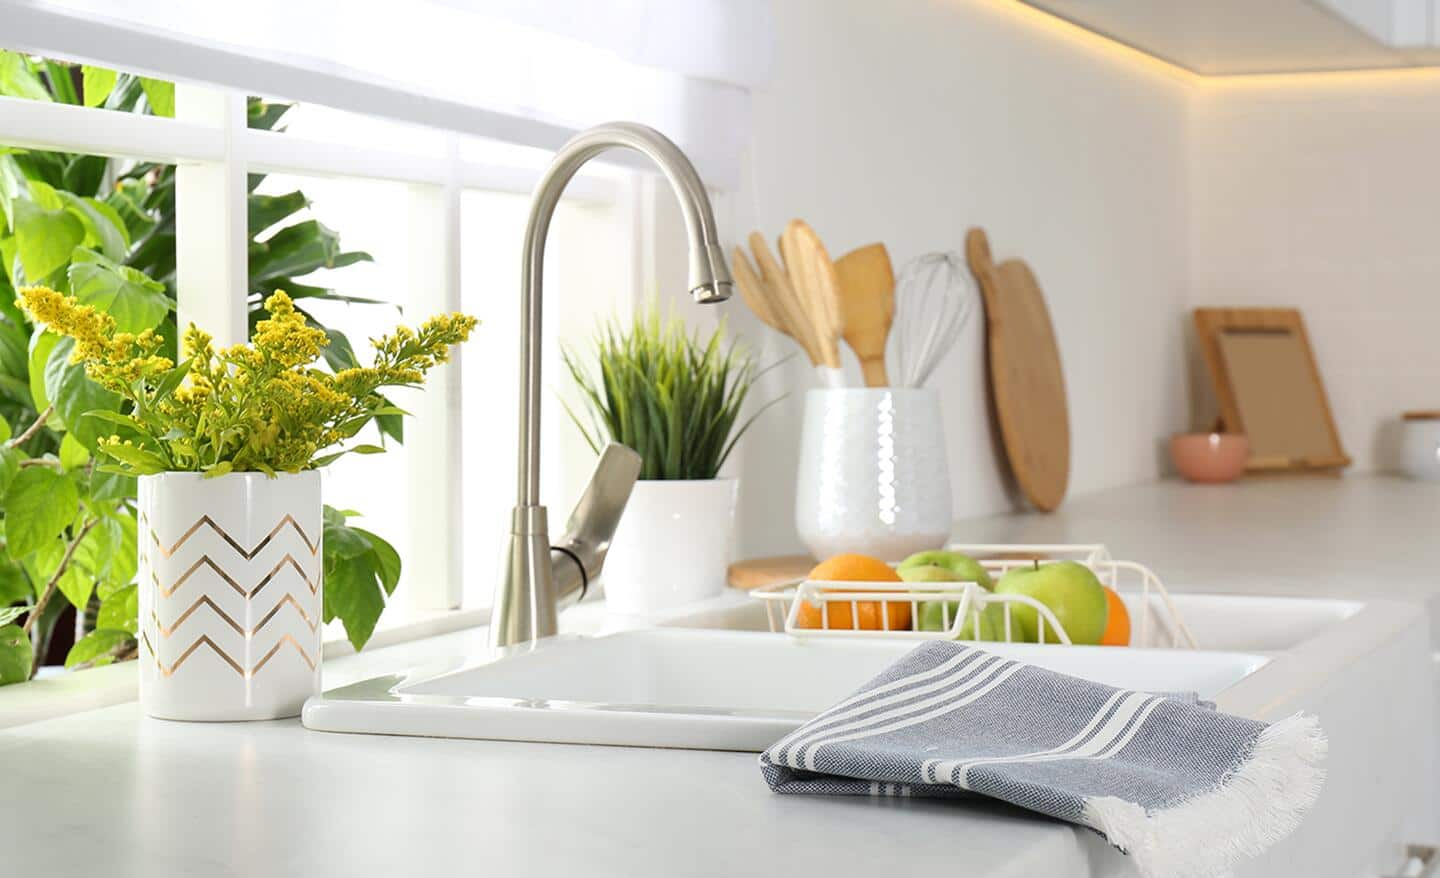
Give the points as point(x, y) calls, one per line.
point(702, 689)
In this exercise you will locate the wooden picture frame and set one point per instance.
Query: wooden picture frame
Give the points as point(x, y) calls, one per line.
point(1260, 361)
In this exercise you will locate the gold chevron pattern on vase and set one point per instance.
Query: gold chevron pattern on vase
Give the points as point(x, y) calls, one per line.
point(239, 589)
point(239, 629)
point(217, 558)
point(205, 640)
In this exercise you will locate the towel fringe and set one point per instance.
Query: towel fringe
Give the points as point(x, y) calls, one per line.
point(1258, 803)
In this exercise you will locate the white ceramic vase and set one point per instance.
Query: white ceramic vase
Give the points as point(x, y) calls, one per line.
point(230, 601)
point(672, 546)
point(873, 474)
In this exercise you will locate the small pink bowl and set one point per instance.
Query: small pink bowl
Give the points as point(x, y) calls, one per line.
point(1210, 457)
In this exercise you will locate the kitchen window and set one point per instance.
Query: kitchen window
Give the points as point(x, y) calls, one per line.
point(431, 179)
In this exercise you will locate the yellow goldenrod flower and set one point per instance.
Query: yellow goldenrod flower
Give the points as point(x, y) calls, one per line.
point(261, 407)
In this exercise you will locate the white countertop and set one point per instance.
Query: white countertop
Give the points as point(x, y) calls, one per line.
point(111, 791)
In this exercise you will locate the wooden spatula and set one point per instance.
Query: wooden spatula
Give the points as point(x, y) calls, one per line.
point(867, 307)
point(783, 299)
point(753, 291)
point(813, 276)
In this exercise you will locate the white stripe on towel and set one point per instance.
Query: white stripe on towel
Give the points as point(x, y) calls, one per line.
point(955, 685)
point(870, 700)
point(1117, 731)
point(930, 768)
point(1008, 668)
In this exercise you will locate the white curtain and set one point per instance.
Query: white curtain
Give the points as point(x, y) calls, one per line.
point(538, 68)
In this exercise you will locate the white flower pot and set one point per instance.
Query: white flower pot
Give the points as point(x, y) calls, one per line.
point(230, 601)
point(873, 473)
point(672, 546)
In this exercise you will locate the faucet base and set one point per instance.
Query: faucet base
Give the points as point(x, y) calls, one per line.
point(525, 604)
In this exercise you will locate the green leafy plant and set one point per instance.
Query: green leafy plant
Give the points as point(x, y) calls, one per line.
point(103, 230)
point(665, 393)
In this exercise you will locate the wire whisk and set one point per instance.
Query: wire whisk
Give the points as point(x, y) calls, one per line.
point(935, 297)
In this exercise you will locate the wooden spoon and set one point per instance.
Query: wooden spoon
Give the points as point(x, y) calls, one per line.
point(867, 307)
point(784, 301)
point(814, 279)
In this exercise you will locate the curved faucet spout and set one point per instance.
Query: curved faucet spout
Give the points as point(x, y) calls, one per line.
point(526, 605)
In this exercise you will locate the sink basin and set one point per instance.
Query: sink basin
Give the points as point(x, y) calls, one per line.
point(695, 688)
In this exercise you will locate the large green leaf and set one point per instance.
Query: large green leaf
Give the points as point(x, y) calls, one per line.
point(62, 87)
point(17, 80)
point(46, 238)
point(42, 344)
point(97, 553)
point(120, 611)
point(298, 250)
point(9, 261)
point(97, 83)
point(352, 596)
point(265, 211)
point(14, 344)
point(343, 543)
point(73, 455)
point(128, 201)
point(111, 486)
point(77, 583)
point(74, 395)
point(9, 466)
point(38, 505)
point(160, 94)
point(14, 584)
point(96, 647)
point(84, 175)
point(103, 226)
point(15, 655)
point(387, 560)
point(12, 183)
point(130, 297)
point(125, 561)
point(45, 167)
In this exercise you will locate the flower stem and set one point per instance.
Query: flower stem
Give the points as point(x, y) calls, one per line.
point(34, 428)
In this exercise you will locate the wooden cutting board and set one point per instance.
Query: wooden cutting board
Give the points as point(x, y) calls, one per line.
point(1026, 379)
point(756, 572)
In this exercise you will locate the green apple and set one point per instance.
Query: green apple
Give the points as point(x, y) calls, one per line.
point(934, 615)
point(964, 568)
point(1069, 589)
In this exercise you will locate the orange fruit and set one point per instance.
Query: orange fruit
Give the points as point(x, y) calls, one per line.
point(843, 614)
point(1117, 629)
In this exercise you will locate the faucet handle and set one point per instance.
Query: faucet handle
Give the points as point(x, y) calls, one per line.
point(579, 556)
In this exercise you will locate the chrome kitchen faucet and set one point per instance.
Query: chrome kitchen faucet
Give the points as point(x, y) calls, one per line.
point(537, 574)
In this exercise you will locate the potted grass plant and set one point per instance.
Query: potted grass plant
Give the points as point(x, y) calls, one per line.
point(227, 445)
point(676, 400)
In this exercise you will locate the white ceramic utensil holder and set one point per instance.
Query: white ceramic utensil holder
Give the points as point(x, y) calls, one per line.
point(230, 601)
point(873, 473)
point(672, 546)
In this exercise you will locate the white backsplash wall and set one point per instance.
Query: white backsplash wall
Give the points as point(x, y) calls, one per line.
point(908, 122)
point(1322, 193)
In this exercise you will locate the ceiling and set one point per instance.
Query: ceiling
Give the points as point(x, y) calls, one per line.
point(1230, 37)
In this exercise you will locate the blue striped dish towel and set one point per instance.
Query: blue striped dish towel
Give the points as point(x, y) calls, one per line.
point(1183, 789)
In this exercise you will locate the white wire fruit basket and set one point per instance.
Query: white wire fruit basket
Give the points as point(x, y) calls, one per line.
point(811, 608)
